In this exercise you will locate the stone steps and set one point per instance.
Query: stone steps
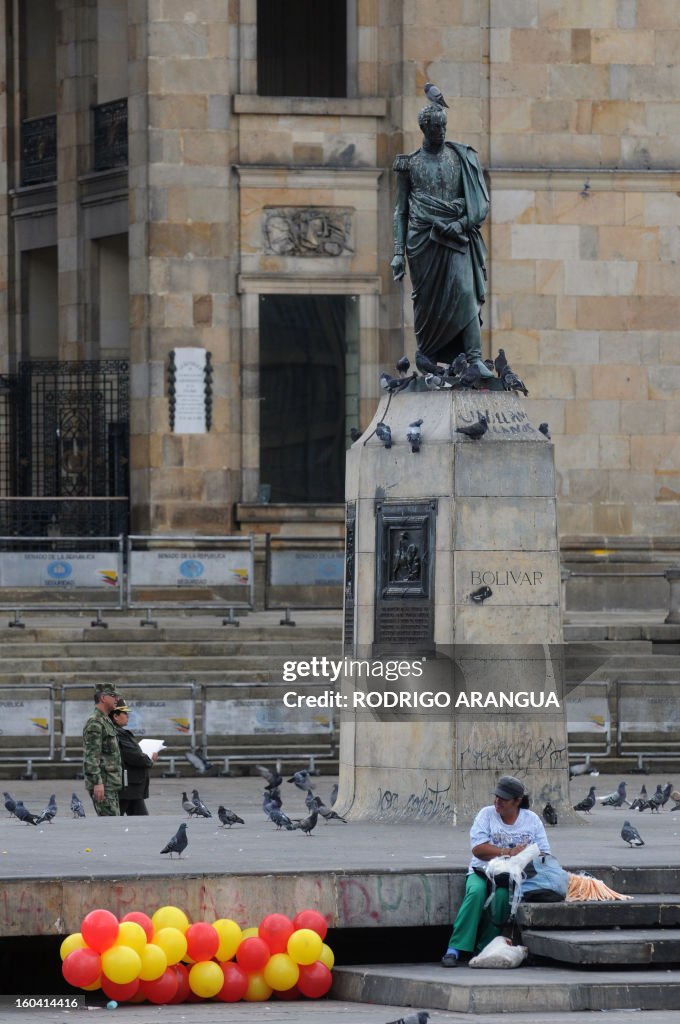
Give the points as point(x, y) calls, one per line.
point(616, 948)
point(124, 664)
point(526, 990)
point(169, 649)
point(644, 911)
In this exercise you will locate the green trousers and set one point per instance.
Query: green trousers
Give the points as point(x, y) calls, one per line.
point(108, 807)
point(475, 927)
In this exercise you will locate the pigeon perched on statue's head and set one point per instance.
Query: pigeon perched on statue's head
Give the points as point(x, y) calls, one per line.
point(435, 95)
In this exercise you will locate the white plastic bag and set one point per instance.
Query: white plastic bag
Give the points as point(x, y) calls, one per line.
point(513, 866)
point(500, 952)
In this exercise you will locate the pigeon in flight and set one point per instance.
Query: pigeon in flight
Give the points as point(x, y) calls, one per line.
point(10, 804)
point(49, 811)
point(630, 835)
point(23, 814)
point(188, 805)
point(201, 810)
point(273, 778)
point(77, 808)
point(302, 780)
point(178, 842)
point(587, 803)
point(227, 817)
point(475, 430)
point(549, 814)
point(435, 95)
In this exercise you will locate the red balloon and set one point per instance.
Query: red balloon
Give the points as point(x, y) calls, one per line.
point(99, 929)
point(183, 989)
point(315, 980)
point(252, 954)
point(289, 993)
point(311, 919)
point(202, 941)
point(276, 929)
point(121, 993)
point(81, 967)
point(235, 983)
point(161, 990)
point(141, 919)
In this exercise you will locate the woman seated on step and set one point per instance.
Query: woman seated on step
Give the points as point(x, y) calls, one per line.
point(503, 829)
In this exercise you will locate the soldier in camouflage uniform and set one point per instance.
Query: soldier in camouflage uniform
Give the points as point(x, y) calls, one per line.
point(101, 754)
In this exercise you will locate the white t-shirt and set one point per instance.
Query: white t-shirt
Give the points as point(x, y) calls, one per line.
point(489, 827)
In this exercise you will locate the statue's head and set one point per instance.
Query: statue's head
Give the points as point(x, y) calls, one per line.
point(432, 123)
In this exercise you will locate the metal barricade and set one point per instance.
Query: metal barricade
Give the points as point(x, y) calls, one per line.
point(294, 566)
point(170, 716)
point(27, 726)
point(220, 571)
point(648, 719)
point(589, 720)
point(85, 573)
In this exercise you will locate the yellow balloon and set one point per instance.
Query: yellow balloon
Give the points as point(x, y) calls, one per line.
point(172, 942)
point(170, 917)
point(304, 946)
point(248, 933)
point(94, 986)
point(71, 942)
point(121, 964)
point(258, 990)
point(281, 972)
point(206, 978)
point(154, 962)
point(327, 956)
point(131, 934)
point(230, 936)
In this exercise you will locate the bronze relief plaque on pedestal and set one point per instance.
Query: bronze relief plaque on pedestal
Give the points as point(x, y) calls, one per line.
point(404, 602)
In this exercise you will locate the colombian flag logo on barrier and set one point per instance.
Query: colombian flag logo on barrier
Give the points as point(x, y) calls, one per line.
point(41, 724)
point(181, 724)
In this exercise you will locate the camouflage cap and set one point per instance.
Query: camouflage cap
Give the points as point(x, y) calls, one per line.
point(107, 689)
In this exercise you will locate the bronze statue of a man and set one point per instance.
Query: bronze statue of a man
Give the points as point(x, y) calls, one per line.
point(441, 203)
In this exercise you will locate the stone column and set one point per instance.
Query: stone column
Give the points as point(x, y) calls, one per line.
point(182, 237)
point(455, 568)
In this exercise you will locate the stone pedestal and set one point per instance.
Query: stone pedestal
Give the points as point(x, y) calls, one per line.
point(453, 558)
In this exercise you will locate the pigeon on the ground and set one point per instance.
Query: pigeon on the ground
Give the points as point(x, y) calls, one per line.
point(188, 805)
point(178, 842)
point(403, 365)
point(617, 799)
point(77, 808)
point(10, 804)
point(280, 819)
point(475, 430)
point(655, 802)
point(302, 780)
point(310, 800)
point(420, 1017)
point(273, 778)
point(544, 429)
point(49, 811)
point(384, 434)
point(549, 814)
point(23, 814)
point(201, 810)
point(334, 795)
point(435, 95)
point(306, 824)
point(326, 813)
point(587, 803)
point(640, 799)
point(228, 818)
point(481, 594)
point(631, 835)
point(413, 435)
point(667, 790)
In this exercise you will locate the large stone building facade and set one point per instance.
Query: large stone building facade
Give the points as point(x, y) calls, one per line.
point(216, 174)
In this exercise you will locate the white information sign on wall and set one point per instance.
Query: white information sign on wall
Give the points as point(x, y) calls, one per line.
point(191, 568)
point(25, 717)
point(158, 718)
point(59, 570)
point(307, 568)
point(190, 382)
point(253, 717)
